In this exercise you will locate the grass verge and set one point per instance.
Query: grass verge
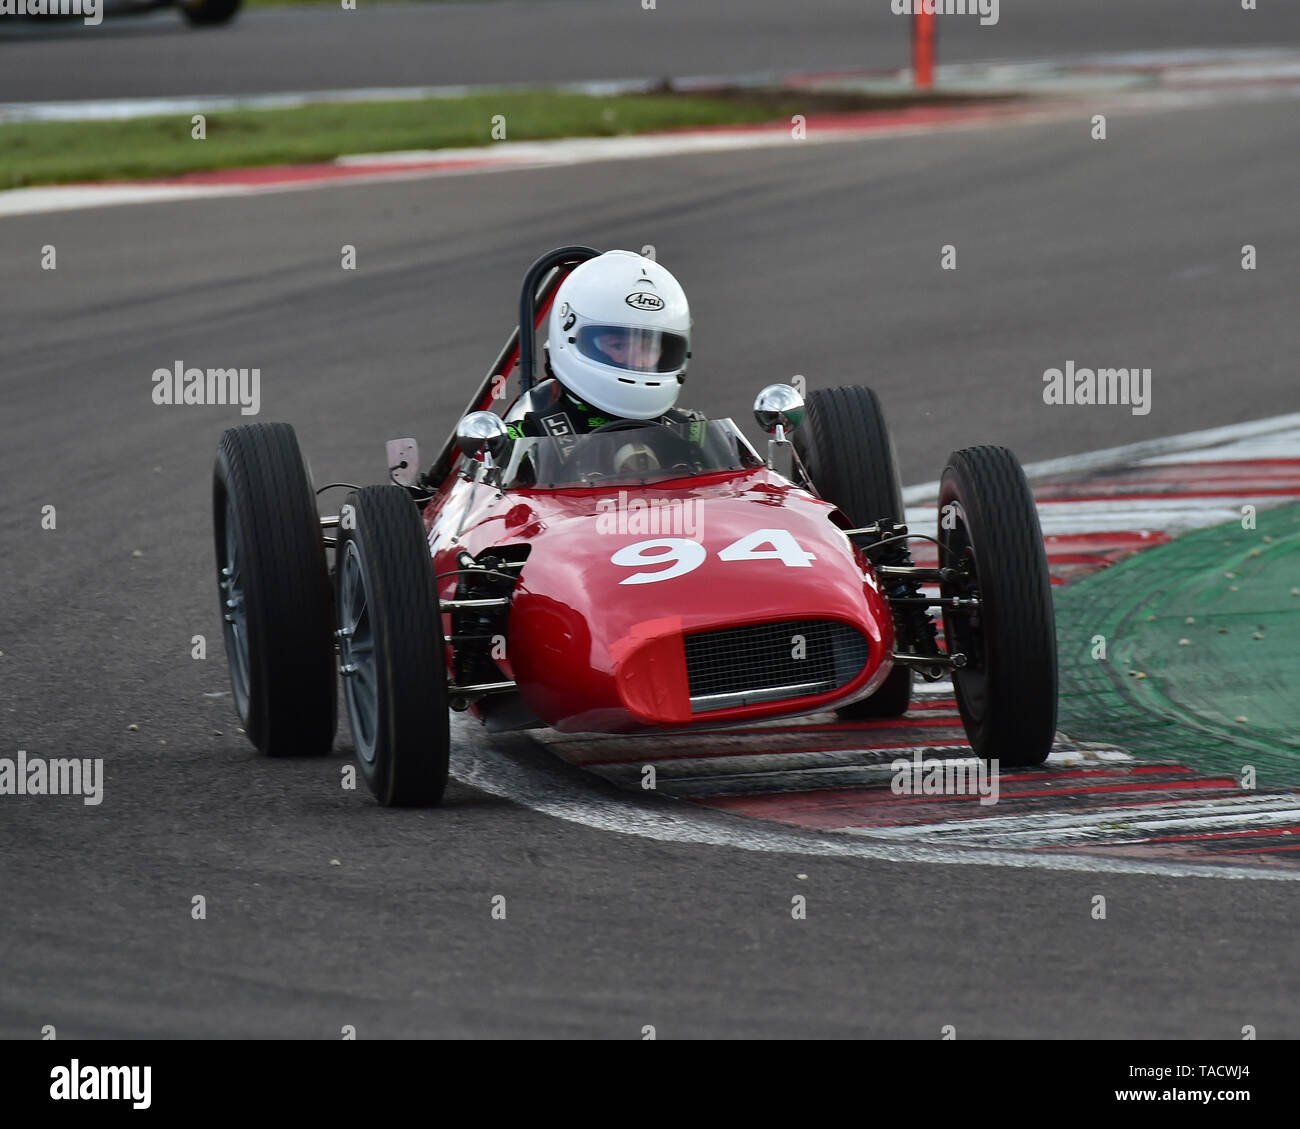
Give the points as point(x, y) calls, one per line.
point(59, 152)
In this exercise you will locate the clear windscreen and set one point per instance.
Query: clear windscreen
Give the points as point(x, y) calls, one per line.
point(632, 454)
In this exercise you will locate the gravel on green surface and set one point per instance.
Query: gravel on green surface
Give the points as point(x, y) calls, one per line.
point(1200, 650)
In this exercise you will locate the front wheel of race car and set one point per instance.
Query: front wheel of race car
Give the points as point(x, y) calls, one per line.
point(275, 595)
point(989, 532)
point(845, 446)
point(391, 650)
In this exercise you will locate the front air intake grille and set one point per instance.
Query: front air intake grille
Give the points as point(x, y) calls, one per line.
point(795, 658)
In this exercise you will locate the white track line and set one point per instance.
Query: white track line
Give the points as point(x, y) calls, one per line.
point(1228, 443)
point(1179, 514)
point(1074, 73)
point(124, 109)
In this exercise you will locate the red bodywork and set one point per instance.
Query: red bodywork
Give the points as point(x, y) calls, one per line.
point(592, 654)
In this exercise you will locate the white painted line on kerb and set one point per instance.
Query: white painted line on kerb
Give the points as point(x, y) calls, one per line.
point(62, 197)
point(125, 109)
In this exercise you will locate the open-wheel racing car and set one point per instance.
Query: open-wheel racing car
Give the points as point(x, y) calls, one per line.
point(624, 581)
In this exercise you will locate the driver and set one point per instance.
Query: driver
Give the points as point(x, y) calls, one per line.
point(618, 341)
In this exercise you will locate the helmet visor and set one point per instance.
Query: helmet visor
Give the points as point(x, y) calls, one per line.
point(632, 348)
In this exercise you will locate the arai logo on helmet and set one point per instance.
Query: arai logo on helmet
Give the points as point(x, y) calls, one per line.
point(643, 301)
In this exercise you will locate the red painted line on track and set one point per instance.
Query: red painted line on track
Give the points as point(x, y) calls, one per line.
point(1185, 475)
point(1068, 559)
point(1126, 806)
point(1261, 492)
point(1127, 539)
point(1118, 770)
point(870, 120)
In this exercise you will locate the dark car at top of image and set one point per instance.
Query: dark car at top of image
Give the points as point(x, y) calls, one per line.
point(200, 13)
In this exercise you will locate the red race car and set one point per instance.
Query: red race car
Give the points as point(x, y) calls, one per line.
point(628, 580)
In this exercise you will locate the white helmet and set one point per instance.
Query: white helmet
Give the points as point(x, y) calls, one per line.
point(620, 335)
point(635, 458)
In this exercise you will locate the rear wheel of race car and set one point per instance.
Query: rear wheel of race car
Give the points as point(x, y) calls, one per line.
point(391, 649)
point(276, 606)
point(845, 446)
point(988, 527)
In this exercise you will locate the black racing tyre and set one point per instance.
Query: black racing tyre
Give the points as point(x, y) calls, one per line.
point(391, 647)
point(277, 611)
point(988, 526)
point(207, 13)
point(845, 447)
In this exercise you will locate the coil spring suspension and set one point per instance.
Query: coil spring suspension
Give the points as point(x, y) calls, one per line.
point(914, 628)
point(476, 632)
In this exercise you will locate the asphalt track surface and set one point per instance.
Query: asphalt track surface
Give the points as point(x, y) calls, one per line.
point(500, 41)
point(820, 260)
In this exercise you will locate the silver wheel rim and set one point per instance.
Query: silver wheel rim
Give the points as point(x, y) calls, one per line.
point(971, 683)
point(235, 615)
point(357, 654)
